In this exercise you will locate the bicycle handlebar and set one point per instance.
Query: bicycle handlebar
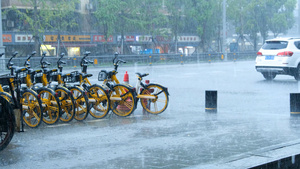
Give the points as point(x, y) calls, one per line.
point(44, 63)
point(84, 61)
point(60, 61)
point(27, 63)
point(116, 61)
point(9, 63)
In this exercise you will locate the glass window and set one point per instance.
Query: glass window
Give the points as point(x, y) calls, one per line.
point(275, 45)
point(297, 44)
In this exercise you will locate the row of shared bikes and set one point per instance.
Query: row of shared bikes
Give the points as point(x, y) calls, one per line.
point(49, 95)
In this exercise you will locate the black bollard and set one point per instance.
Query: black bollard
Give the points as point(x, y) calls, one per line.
point(295, 103)
point(211, 101)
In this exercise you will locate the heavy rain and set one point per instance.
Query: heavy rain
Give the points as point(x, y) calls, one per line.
point(124, 84)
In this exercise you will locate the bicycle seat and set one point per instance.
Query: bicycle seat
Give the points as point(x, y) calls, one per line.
point(31, 71)
point(21, 69)
point(142, 75)
point(13, 67)
point(86, 75)
point(54, 70)
point(38, 71)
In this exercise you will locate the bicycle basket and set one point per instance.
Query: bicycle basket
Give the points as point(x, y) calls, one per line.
point(4, 79)
point(71, 77)
point(54, 77)
point(102, 75)
point(38, 78)
point(22, 77)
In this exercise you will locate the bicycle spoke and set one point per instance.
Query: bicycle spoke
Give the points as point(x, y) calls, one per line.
point(128, 104)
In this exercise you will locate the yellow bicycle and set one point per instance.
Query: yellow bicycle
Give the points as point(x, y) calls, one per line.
point(154, 97)
point(78, 94)
point(25, 98)
point(49, 98)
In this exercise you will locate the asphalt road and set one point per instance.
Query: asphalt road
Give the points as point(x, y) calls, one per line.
point(253, 117)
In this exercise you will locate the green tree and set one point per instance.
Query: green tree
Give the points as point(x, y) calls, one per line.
point(283, 18)
point(206, 15)
point(62, 17)
point(46, 15)
point(237, 12)
point(176, 11)
point(130, 16)
point(261, 16)
point(106, 17)
point(151, 19)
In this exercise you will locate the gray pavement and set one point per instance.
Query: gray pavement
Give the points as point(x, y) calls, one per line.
point(252, 126)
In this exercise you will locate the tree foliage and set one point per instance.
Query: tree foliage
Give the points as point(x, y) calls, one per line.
point(261, 16)
point(46, 15)
point(163, 17)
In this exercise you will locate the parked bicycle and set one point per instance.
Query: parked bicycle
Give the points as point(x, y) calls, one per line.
point(97, 95)
point(154, 97)
point(23, 98)
point(122, 97)
point(80, 98)
point(37, 81)
point(7, 122)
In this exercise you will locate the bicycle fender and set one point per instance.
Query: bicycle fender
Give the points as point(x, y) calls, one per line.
point(164, 88)
point(65, 89)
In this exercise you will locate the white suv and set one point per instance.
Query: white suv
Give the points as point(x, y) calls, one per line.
point(279, 56)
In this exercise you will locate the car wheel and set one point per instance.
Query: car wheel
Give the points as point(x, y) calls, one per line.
point(297, 73)
point(269, 76)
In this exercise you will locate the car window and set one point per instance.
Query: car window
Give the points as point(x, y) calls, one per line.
point(275, 45)
point(297, 44)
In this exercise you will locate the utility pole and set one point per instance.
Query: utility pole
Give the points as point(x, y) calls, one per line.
point(298, 17)
point(224, 31)
point(2, 48)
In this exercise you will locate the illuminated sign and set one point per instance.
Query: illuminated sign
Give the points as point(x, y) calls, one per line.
point(23, 38)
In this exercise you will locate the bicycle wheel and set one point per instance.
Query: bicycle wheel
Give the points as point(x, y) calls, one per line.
point(7, 123)
point(31, 108)
point(51, 105)
point(81, 103)
point(67, 104)
point(122, 100)
point(159, 101)
point(98, 102)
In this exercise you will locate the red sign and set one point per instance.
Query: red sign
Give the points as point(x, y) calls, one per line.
point(127, 38)
point(6, 38)
point(100, 38)
point(23, 38)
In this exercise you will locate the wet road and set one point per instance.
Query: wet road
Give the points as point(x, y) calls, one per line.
point(253, 116)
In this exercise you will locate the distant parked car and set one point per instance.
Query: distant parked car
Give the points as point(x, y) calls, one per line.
point(279, 56)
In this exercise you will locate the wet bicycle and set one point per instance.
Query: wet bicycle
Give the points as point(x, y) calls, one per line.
point(81, 107)
point(31, 105)
point(7, 122)
point(37, 81)
point(122, 97)
point(97, 95)
point(65, 96)
point(154, 97)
